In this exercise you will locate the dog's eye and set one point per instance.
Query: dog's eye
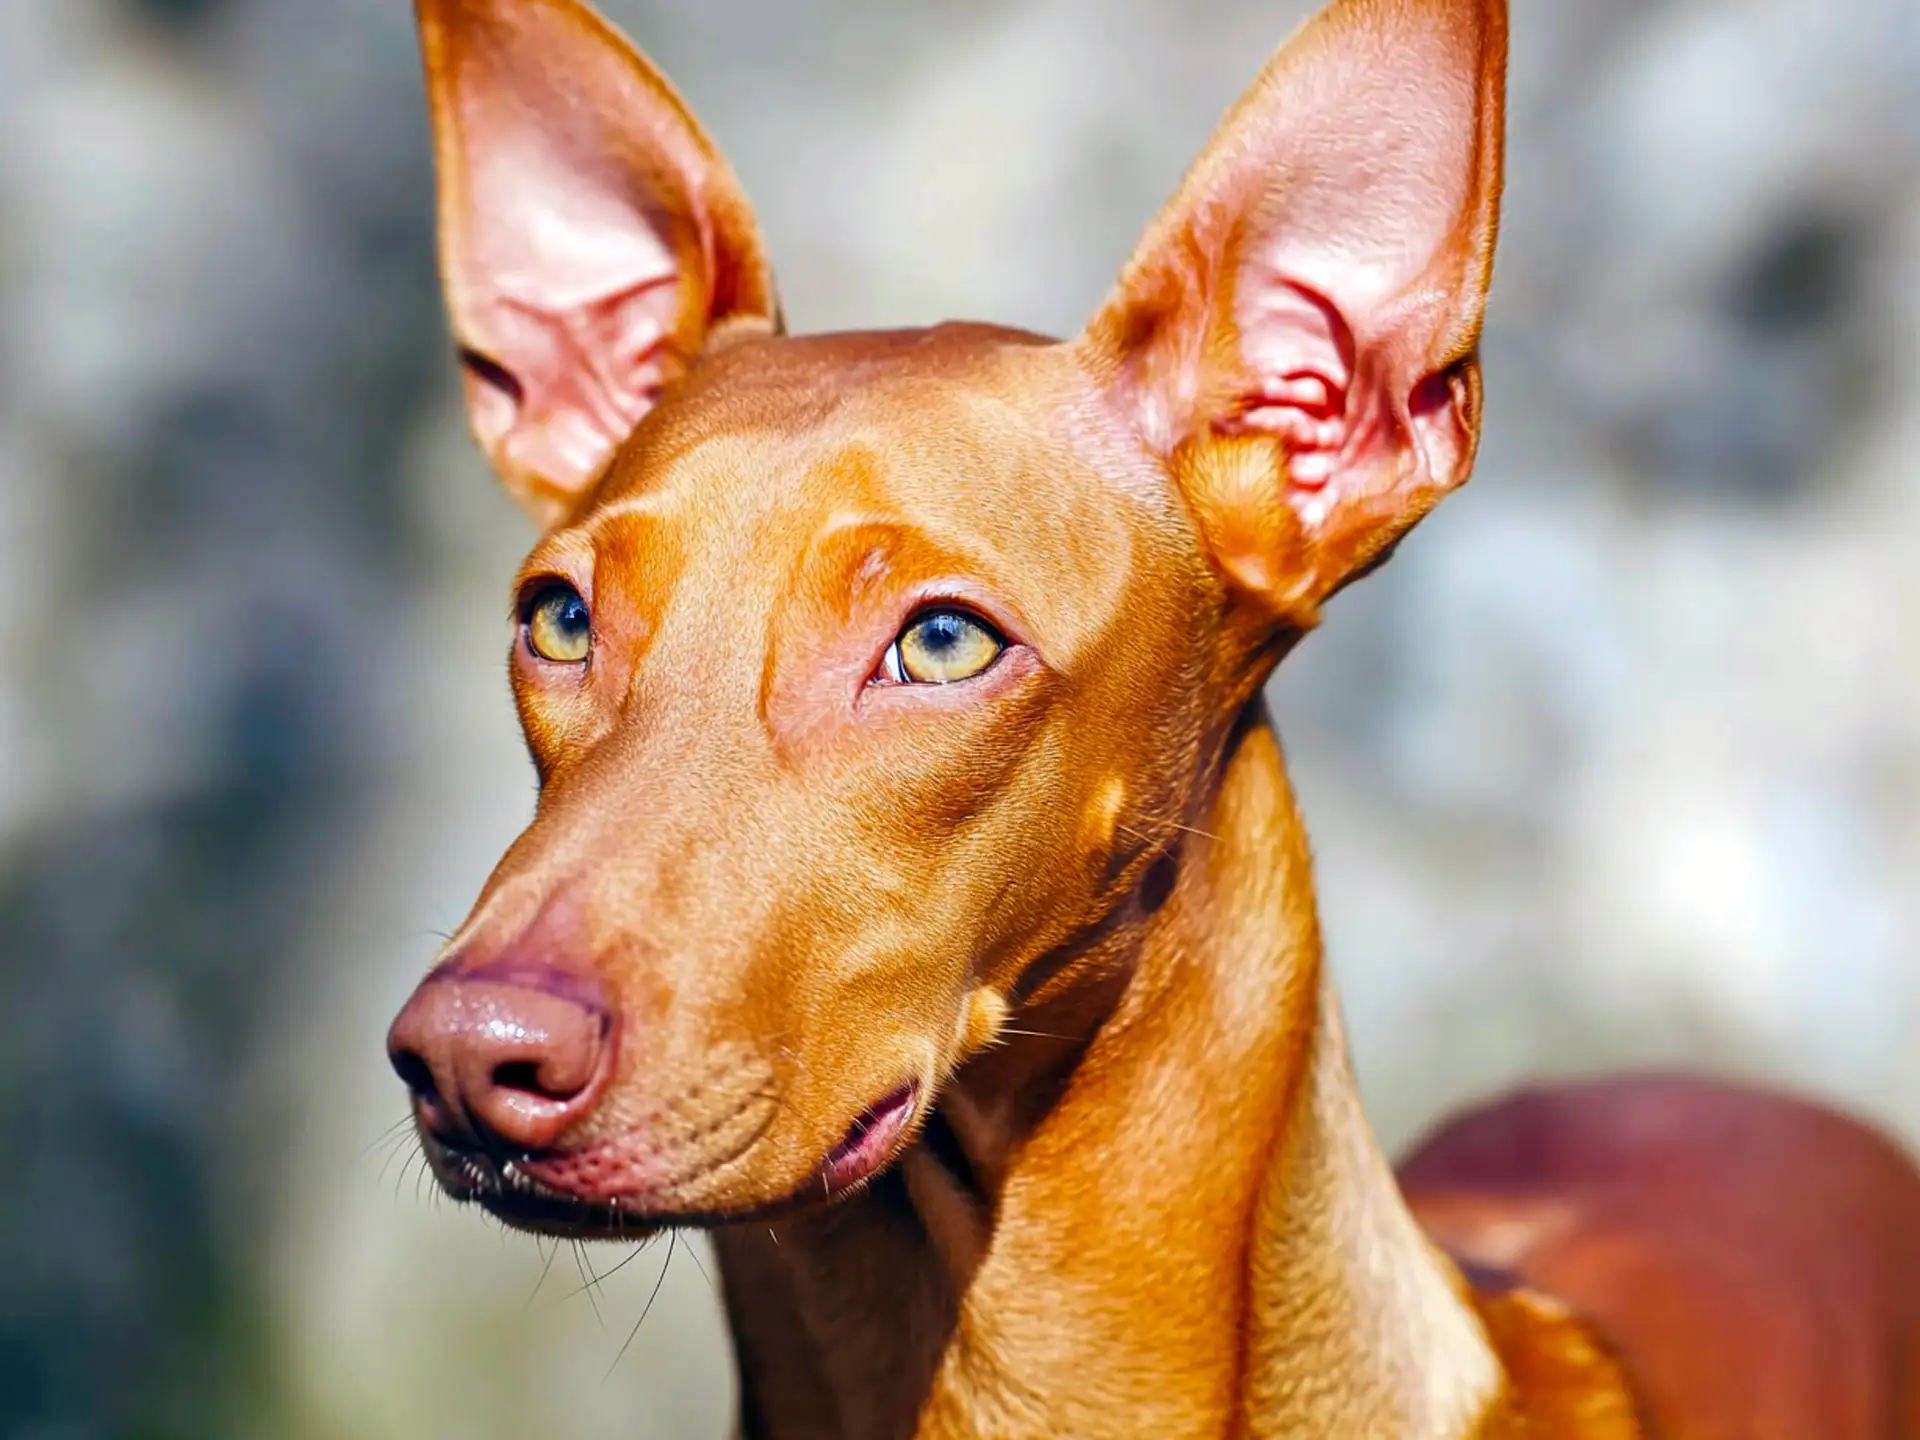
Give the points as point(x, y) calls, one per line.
point(940, 647)
point(559, 627)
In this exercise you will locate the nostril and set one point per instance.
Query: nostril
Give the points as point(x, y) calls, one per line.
point(414, 1073)
point(524, 1076)
point(430, 1105)
point(530, 1100)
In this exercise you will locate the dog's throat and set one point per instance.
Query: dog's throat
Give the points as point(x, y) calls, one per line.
point(1192, 1067)
point(943, 1148)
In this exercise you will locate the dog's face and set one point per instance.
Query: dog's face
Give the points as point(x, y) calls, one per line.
point(863, 673)
point(851, 697)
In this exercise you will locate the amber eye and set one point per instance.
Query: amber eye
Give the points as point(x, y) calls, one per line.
point(559, 628)
point(940, 647)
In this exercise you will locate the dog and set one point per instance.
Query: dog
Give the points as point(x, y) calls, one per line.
point(916, 898)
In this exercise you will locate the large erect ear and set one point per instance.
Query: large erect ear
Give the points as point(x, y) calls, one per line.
point(1296, 332)
point(591, 237)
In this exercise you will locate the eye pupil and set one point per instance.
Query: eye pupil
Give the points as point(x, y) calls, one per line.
point(941, 632)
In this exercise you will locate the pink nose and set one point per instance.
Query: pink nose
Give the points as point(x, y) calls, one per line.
point(514, 1053)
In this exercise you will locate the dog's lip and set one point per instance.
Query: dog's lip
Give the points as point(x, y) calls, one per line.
point(507, 1192)
point(871, 1141)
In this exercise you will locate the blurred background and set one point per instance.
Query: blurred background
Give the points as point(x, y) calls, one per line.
point(1619, 761)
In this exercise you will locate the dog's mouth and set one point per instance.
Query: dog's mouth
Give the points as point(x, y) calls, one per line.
point(515, 1188)
point(870, 1142)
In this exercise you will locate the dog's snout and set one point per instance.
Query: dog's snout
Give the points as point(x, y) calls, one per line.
point(517, 1058)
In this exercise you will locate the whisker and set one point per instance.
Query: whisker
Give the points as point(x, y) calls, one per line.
point(693, 1253)
point(1035, 1034)
point(580, 1262)
point(647, 1310)
point(1148, 838)
point(406, 1166)
point(546, 1266)
point(399, 1142)
point(387, 1137)
point(394, 1153)
point(601, 1279)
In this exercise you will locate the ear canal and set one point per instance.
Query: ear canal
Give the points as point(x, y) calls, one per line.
point(592, 238)
point(1318, 284)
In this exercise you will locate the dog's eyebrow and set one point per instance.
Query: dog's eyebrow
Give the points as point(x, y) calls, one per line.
point(563, 551)
point(644, 506)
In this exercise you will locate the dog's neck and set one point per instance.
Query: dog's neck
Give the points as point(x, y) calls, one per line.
point(1176, 1137)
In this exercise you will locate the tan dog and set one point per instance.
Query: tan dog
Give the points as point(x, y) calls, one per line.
point(915, 874)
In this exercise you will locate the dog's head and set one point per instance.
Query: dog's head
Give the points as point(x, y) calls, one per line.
point(862, 673)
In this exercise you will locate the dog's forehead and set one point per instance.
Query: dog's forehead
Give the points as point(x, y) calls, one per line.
point(962, 454)
point(955, 418)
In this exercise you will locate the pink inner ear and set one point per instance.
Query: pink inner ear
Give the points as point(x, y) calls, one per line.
point(572, 380)
point(576, 302)
point(1299, 353)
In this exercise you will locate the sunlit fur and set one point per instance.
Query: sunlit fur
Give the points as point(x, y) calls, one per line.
point(1066, 902)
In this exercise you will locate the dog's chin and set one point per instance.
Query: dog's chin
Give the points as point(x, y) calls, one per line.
point(526, 1193)
point(525, 1205)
